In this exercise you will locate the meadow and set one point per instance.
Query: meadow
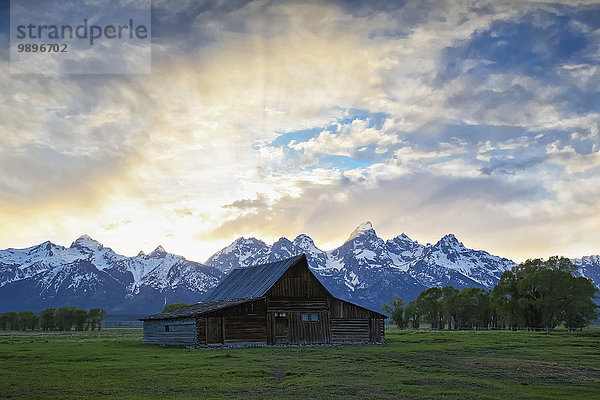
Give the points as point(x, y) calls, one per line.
point(411, 365)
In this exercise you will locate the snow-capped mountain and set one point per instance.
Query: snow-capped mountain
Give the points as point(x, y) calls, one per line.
point(365, 269)
point(87, 274)
point(370, 271)
point(241, 253)
point(589, 267)
point(449, 262)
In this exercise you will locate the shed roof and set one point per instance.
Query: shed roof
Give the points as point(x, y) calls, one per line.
point(198, 309)
point(252, 281)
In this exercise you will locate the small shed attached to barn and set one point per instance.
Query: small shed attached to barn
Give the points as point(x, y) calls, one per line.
point(270, 304)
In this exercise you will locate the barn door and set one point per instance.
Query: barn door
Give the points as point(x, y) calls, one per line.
point(281, 329)
point(214, 330)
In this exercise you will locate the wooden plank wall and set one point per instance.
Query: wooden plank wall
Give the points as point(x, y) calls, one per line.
point(181, 332)
point(345, 330)
point(352, 314)
point(298, 281)
point(343, 309)
point(214, 330)
point(245, 329)
point(308, 332)
point(241, 324)
point(286, 304)
point(299, 331)
point(201, 330)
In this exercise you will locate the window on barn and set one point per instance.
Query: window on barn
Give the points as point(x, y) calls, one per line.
point(310, 317)
point(280, 315)
point(305, 288)
point(167, 328)
point(251, 310)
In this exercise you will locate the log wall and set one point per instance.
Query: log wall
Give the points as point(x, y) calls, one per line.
point(353, 324)
point(298, 281)
point(350, 331)
point(170, 332)
point(241, 324)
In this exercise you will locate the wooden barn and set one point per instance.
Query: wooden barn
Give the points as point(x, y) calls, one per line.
point(270, 304)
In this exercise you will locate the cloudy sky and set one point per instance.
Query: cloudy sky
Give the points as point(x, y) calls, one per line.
point(275, 118)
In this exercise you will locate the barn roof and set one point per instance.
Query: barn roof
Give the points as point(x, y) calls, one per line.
point(199, 309)
point(252, 281)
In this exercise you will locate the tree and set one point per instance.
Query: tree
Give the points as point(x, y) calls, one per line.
point(79, 319)
point(27, 320)
point(431, 307)
point(95, 317)
point(543, 294)
point(48, 319)
point(12, 323)
point(472, 308)
point(65, 318)
point(580, 309)
point(412, 315)
point(505, 300)
point(449, 306)
point(396, 309)
point(174, 306)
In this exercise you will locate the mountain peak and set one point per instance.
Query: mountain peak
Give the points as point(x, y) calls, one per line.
point(449, 240)
point(87, 242)
point(450, 237)
point(362, 228)
point(158, 252)
point(303, 240)
point(403, 237)
point(283, 241)
point(245, 240)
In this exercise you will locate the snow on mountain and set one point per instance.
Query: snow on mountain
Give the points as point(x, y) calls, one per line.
point(589, 267)
point(449, 262)
point(87, 272)
point(368, 270)
point(403, 251)
point(241, 253)
point(102, 257)
point(365, 269)
point(365, 227)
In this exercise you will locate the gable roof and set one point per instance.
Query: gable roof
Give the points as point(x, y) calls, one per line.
point(251, 282)
point(198, 309)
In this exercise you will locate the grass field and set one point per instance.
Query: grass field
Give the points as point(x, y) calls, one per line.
point(411, 365)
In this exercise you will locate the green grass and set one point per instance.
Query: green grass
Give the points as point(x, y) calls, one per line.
point(411, 365)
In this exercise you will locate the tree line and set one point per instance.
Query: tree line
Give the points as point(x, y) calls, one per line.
point(51, 319)
point(535, 294)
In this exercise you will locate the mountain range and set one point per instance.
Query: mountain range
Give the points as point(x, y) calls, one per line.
point(365, 269)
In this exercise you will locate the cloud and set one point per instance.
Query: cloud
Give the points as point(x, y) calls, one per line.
point(423, 117)
point(347, 140)
point(259, 203)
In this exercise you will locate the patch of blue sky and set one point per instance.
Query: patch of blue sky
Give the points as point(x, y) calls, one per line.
point(470, 134)
point(302, 135)
point(186, 27)
point(529, 46)
point(519, 165)
point(375, 120)
point(4, 20)
point(342, 162)
point(575, 101)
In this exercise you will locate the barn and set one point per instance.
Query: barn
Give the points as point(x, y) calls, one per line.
point(270, 304)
